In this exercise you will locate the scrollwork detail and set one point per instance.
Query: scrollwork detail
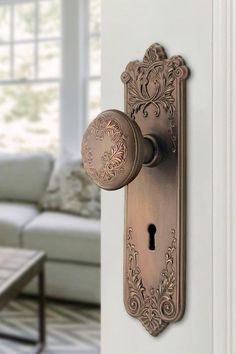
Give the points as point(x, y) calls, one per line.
point(113, 160)
point(152, 82)
point(155, 308)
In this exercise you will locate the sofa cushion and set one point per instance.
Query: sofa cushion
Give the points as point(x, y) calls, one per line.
point(64, 237)
point(70, 190)
point(24, 177)
point(13, 217)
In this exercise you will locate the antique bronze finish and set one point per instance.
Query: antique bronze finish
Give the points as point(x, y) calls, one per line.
point(114, 150)
point(144, 149)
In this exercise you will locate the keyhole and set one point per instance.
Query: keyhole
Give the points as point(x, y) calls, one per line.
point(152, 231)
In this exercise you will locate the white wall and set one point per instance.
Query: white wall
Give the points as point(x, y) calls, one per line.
point(129, 27)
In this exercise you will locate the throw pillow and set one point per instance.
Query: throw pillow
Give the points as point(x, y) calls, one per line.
point(70, 190)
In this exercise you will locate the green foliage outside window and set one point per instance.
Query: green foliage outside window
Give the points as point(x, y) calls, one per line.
point(27, 103)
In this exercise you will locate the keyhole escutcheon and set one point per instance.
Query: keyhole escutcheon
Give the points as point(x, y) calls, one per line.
point(151, 233)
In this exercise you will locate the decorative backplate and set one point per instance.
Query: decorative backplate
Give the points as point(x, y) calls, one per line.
point(154, 267)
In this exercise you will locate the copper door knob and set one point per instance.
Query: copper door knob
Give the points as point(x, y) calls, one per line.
point(114, 150)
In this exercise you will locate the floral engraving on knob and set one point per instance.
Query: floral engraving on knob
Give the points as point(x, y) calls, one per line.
point(152, 82)
point(155, 308)
point(113, 159)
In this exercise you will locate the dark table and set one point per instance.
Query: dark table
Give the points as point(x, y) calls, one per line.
point(17, 268)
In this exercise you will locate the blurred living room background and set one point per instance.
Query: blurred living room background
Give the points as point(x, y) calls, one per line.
point(50, 88)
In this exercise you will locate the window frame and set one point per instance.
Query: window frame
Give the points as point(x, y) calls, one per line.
point(75, 70)
point(76, 76)
point(91, 77)
point(36, 39)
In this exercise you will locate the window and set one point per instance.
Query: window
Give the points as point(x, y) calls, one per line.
point(50, 73)
point(30, 45)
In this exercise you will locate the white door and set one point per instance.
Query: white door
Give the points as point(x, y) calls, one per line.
point(204, 33)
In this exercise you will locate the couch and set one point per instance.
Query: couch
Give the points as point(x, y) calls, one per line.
point(71, 242)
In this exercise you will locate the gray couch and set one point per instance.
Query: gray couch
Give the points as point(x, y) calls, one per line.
point(72, 243)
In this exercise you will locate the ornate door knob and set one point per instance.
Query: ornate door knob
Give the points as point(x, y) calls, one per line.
point(114, 150)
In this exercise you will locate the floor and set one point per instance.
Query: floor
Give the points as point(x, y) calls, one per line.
point(71, 328)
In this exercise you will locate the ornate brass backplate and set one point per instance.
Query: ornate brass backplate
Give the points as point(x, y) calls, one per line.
point(154, 263)
point(144, 150)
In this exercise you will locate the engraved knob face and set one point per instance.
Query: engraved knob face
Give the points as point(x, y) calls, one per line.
point(113, 150)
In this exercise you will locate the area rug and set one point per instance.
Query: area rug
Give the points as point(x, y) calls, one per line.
point(71, 328)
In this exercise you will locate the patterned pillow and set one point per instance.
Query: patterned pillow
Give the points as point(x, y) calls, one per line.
point(70, 190)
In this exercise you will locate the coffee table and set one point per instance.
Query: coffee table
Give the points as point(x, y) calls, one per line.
point(17, 268)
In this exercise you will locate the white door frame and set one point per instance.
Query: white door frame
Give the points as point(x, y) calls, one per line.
point(224, 176)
